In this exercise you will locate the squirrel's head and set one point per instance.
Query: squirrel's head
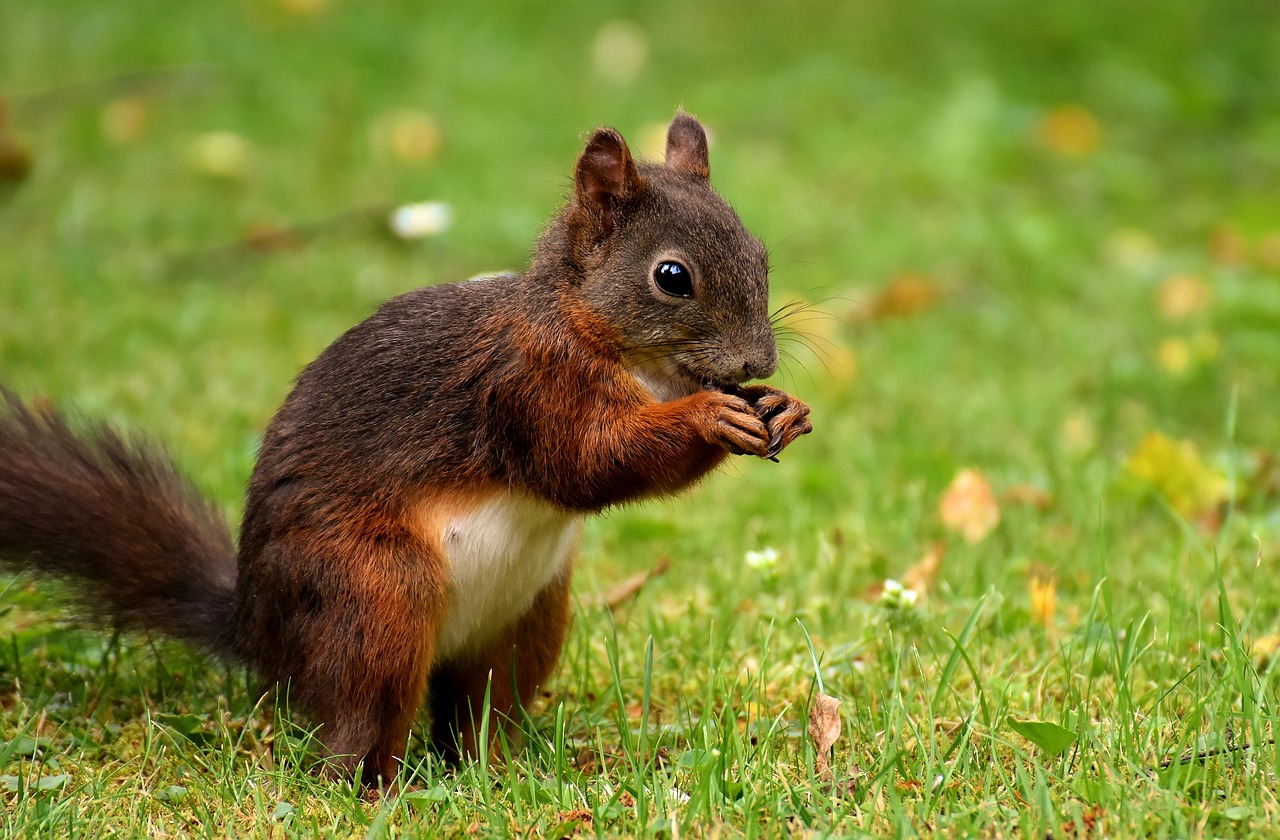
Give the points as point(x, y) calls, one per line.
point(663, 260)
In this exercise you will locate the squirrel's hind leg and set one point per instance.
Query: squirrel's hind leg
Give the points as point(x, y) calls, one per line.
point(357, 648)
point(511, 668)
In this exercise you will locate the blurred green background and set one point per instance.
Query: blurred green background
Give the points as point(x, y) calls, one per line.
point(1035, 234)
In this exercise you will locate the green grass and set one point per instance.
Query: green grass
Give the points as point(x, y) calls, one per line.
point(861, 142)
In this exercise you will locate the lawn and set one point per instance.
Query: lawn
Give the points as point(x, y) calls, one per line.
point(1041, 244)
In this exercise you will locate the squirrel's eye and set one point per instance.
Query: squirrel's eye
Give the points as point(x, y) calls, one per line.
point(673, 279)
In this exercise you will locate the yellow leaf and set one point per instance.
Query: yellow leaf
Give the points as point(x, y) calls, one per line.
point(1174, 468)
point(1042, 585)
point(1182, 295)
point(968, 507)
point(1071, 131)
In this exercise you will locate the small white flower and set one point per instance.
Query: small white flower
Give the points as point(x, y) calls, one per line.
point(895, 596)
point(766, 558)
point(418, 221)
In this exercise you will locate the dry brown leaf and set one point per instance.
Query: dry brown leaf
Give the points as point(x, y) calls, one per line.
point(905, 295)
point(1028, 495)
point(824, 729)
point(628, 588)
point(1229, 246)
point(924, 574)
point(968, 506)
point(125, 119)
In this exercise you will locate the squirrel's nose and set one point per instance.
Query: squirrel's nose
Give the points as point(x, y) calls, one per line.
point(761, 364)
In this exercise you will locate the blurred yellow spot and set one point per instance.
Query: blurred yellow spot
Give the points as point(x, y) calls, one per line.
point(1042, 586)
point(1071, 131)
point(1078, 433)
point(1174, 468)
point(1264, 650)
point(125, 119)
point(968, 507)
point(303, 7)
point(220, 154)
point(1228, 246)
point(620, 51)
point(1132, 249)
point(1269, 251)
point(1182, 295)
point(1174, 356)
point(408, 135)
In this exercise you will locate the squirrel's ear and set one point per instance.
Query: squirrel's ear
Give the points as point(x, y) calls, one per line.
point(606, 177)
point(687, 147)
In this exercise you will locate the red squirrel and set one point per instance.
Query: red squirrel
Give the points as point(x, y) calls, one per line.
point(416, 502)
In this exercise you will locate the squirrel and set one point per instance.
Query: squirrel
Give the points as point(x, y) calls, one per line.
point(416, 502)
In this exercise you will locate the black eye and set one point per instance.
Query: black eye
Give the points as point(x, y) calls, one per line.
point(673, 279)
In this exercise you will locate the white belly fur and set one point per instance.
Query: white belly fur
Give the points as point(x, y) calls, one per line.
point(501, 554)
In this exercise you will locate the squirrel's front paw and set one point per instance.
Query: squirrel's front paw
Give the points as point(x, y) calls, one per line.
point(786, 417)
point(734, 424)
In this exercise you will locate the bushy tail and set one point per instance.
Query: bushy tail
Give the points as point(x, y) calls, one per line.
point(140, 546)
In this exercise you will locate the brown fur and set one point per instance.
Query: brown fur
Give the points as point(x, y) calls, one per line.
point(447, 396)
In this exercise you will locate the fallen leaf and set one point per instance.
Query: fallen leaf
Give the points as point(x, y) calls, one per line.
point(1269, 251)
point(125, 119)
point(1042, 585)
point(1228, 246)
point(407, 135)
point(968, 506)
point(905, 295)
point(824, 729)
point(1028, 495)
point(15, 161)
point(1071, 131)
point(1182, 295)
point(267, 236)
point(1175, 469)
point(628, 588)
point(924, 574)
point(1089, 820)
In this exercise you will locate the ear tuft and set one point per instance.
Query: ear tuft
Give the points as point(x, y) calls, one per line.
point(606, 177)
point(687, 147)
